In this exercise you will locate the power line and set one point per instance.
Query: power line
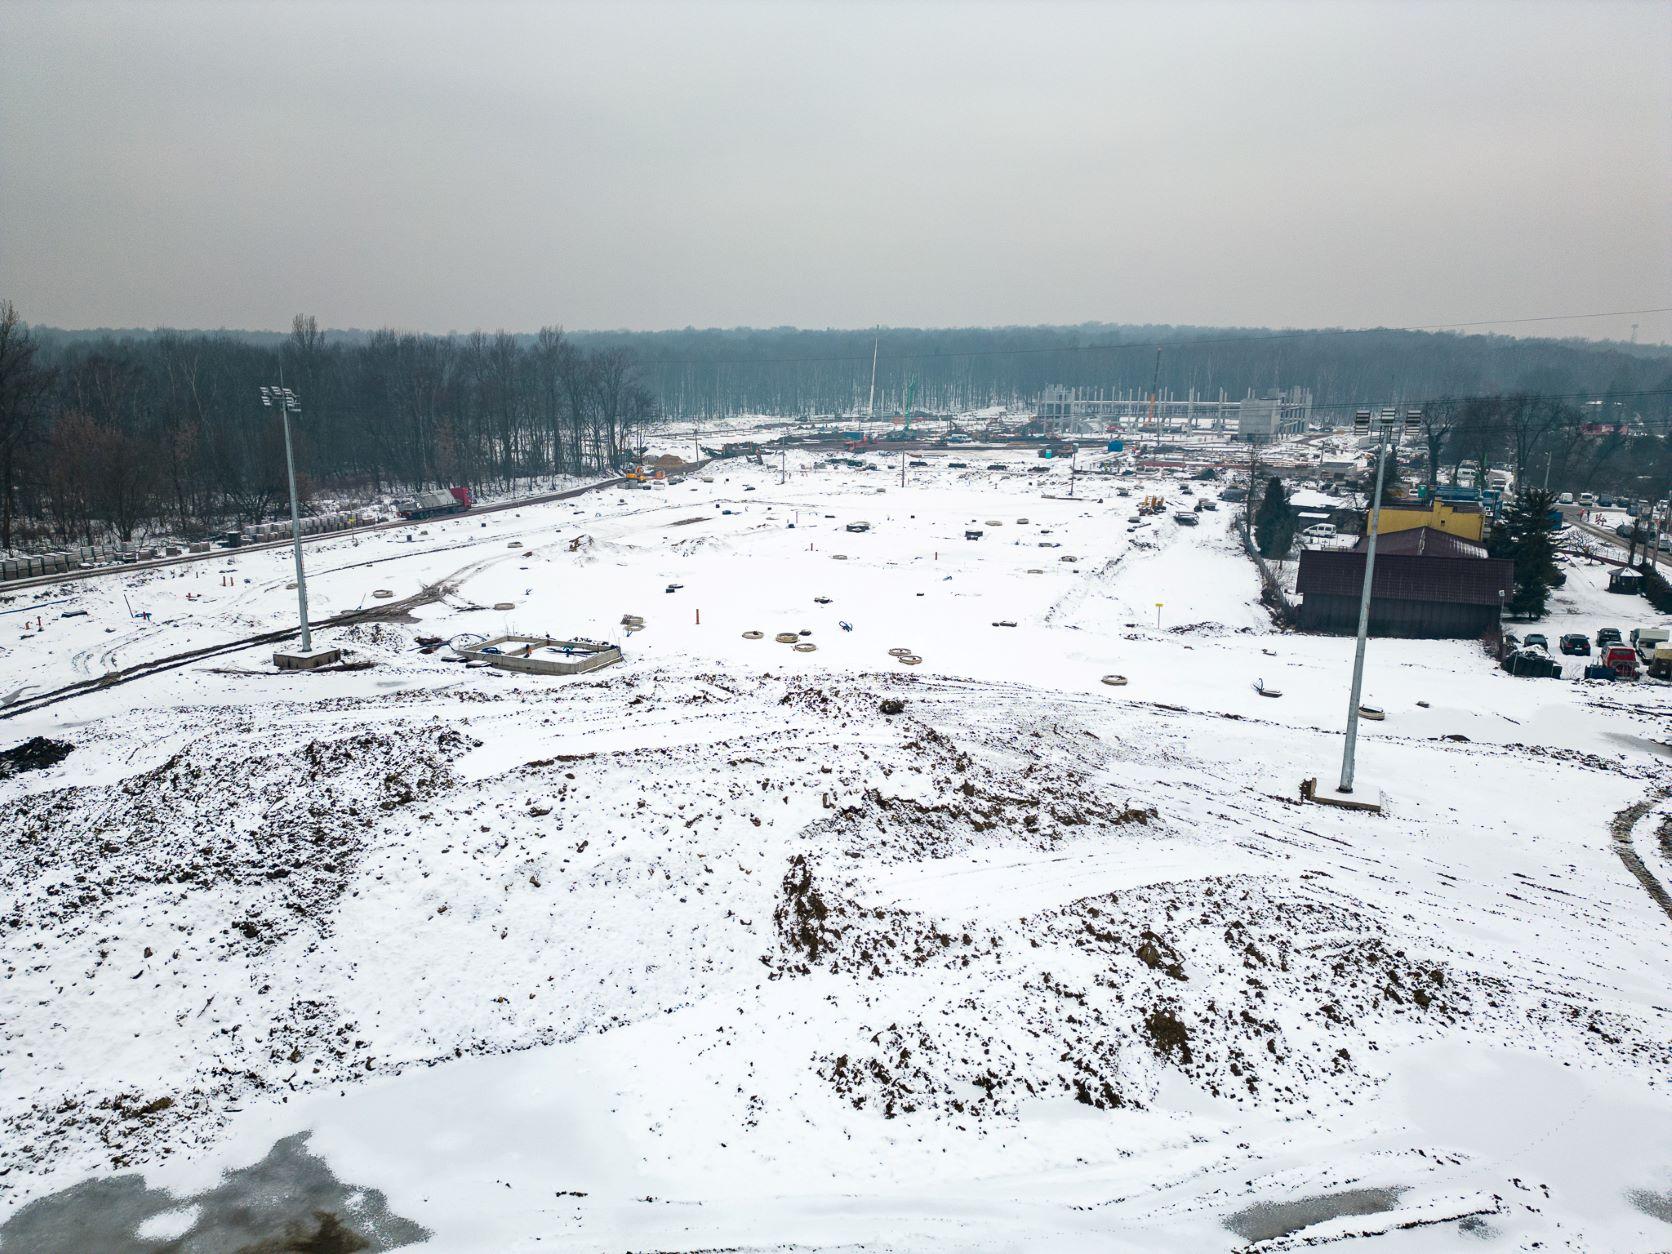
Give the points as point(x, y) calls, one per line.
point(1145, 343)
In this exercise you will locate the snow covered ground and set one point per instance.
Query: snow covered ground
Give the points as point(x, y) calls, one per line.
point(706, 950)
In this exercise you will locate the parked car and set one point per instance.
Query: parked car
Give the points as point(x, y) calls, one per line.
point(1622, 660)
point(1623, 531)
point(1536, 640)
point(1319, 531)
point(1607, 636)
point(1565, 498)
point(1186, 518)
point(859, 526)
point(1576, 642)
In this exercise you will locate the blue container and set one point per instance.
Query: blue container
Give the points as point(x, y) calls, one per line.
point(1116, 446)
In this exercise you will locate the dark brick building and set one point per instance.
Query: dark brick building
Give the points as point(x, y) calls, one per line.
point(1428, 584)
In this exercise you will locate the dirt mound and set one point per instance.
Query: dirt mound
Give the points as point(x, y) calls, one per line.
point(33, 754)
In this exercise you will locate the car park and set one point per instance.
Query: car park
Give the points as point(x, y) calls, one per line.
point(1576, 642)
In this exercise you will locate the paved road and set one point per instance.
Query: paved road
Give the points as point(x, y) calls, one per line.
point(218, 554)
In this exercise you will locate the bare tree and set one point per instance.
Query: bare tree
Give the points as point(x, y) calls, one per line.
point(23, 386)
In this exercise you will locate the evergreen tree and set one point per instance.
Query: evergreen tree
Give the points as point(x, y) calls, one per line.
point(1274, 523)
point(1523, 535)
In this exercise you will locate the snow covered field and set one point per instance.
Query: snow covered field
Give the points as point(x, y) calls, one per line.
point(705, 950)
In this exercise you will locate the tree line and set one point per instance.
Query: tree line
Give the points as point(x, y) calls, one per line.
point(1619, 446)
point(116, 432)
point(167, 430)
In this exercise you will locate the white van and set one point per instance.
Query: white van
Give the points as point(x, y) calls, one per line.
point(1565, 498)
point(1319, 531)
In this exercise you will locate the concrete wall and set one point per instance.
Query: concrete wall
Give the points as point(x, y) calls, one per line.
point(540, 662)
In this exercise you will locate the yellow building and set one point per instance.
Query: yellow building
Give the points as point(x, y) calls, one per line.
point(1464, 520)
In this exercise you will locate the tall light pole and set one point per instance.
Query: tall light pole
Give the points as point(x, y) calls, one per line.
point(278, 395)
point(1386, 430)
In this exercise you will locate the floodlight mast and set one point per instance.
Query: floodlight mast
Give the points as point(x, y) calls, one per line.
point(287, 403)
point(1386, 430)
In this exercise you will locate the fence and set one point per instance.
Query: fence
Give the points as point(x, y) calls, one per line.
point(1272, 596)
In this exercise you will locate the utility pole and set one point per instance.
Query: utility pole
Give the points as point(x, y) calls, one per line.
point(285, 400)
point(1373, 518)
point(871, 405)
point(1547, 456)
point(902, 468)
point(783, 465)
point(1155, 387)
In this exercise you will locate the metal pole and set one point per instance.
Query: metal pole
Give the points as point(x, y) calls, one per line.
point(1374, 516)
point(871, 405)
point(295, 517)
point(902, 468)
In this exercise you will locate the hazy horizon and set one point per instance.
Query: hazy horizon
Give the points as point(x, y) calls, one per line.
point(657, 167)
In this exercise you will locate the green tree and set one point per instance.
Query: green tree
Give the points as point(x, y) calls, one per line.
point(1523, 535)
point(1274, 523)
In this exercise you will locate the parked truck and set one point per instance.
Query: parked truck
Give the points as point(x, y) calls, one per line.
point(435, 503)
point(1648, 639)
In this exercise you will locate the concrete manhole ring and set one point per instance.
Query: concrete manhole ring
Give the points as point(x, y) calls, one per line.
point(382, 594)
point(505, 605)
point(806, 646)
point(1114, 681)
point(752, 635)
point(899, 653)
point(909, 659)
point(786, 637)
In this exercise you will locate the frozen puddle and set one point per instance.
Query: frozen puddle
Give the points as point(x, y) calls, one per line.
point(1265, 1221)
point(1014, 886)
point(287, 1201)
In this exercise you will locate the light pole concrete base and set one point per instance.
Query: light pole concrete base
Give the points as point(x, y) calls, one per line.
point(1364, 796)
point(296, 660)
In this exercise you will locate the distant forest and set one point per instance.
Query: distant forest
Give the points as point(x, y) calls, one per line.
point(120, 431)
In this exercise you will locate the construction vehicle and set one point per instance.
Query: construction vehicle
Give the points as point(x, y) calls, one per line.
point(435, 503)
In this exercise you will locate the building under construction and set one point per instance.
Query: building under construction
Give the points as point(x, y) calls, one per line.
point(1062, 409)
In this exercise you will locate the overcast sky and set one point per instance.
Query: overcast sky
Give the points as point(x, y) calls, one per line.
point(442, 166)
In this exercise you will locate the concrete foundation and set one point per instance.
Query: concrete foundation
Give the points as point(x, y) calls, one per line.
point(1364, 796)
point(296, 660)
point(543, 655)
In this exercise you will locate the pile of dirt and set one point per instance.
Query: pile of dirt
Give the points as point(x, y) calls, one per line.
point(35, 754)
